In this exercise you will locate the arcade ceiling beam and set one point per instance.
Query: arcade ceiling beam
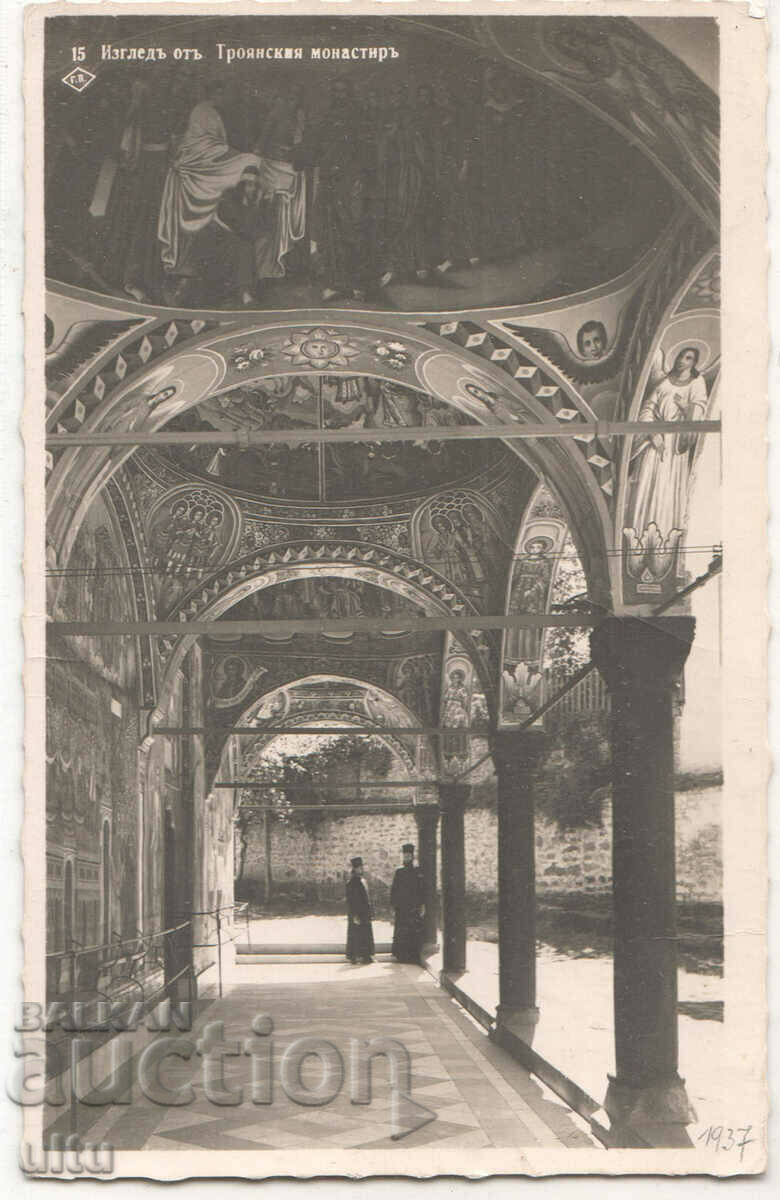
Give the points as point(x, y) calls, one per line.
point(468, 624)
point(408, 433)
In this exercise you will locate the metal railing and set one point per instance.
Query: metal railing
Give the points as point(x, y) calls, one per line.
point(589, 694)
point(85, 974)
point(106, 967)
point(238, 909)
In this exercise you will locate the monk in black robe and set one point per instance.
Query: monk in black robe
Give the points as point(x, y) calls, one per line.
point(407, 898)
point(360, 935)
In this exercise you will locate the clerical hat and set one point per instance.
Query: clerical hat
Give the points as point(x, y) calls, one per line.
point(407, 847)
point(357, 862)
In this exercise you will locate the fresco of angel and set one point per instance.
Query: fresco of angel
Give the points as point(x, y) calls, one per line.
point(594, 357)
point(662, 463)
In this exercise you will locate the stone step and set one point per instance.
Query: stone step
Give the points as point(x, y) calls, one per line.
point(281, 949)
point(290, 957)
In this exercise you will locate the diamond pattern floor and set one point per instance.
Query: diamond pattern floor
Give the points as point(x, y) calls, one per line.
point(479, 1095)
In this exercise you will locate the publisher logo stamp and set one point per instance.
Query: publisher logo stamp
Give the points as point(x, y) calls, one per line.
point(79, 79)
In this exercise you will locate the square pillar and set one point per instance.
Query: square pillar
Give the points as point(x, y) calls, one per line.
point(516, 756)
point(453, 798)
point(427, 818)
point(641, 662)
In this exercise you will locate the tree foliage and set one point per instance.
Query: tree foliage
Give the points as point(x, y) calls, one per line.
point(301, 779)
point(575, 775)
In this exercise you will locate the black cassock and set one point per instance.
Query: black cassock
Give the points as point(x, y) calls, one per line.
point(407, 896)
point(360, 937)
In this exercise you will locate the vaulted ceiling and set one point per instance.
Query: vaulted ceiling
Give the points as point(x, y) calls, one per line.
point(385, 529)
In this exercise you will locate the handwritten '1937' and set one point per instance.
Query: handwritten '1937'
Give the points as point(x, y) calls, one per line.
point(722, 1137)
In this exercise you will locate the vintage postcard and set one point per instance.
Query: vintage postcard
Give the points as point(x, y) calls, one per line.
point(396, 757)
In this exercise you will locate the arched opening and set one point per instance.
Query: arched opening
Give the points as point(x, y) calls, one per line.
point(313, 800)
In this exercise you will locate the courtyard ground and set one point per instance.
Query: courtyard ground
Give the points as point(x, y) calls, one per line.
point(462, 1090)
point(574, 980)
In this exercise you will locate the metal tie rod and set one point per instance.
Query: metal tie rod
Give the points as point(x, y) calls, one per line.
point(356, 809)
point(586, 430)
point(263, 785)
point(465, 624)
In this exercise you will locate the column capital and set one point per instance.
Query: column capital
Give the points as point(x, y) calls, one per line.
point(642, 652)
point(426, 813)
point(515, 750)
point(453, 795)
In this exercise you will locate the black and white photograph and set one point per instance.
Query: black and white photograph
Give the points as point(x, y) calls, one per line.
point(386, 767)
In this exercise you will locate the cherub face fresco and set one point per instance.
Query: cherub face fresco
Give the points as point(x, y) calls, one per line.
point(592, 340)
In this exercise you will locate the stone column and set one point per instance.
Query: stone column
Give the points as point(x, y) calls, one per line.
point(516, 756)
point(641, 662)
point(427, 817)
point(453, 875)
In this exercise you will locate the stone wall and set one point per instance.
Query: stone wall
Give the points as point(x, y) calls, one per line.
point(311, 864)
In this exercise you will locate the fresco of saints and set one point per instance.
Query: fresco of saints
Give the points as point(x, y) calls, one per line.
point(339, 228)
point(230, 678)
point(473, 572)
point(204, 168)
point(279, 145)
point(409, 688)
point(133, 254)
point(168, 534)
point(440, 552)
point(664, 459)
point(455, 714)
point(345, 599)
point(206, 548)
point(530, 588)
point(403, 154)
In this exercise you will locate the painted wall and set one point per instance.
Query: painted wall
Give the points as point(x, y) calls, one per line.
point(91, 780)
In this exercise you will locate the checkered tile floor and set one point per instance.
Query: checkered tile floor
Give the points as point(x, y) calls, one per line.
point(479, 1095)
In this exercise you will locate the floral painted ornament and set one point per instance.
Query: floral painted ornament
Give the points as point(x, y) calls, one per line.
point(393, 354)
point(242, 357)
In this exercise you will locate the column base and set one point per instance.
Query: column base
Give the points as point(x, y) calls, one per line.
point(521, 1022)
point(655, 1115)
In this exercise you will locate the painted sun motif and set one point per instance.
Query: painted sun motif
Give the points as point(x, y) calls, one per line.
point(319, 348)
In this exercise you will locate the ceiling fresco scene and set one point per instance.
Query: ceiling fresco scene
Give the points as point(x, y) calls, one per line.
point(319, 472)
point(329, 597)
point(394, 188)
